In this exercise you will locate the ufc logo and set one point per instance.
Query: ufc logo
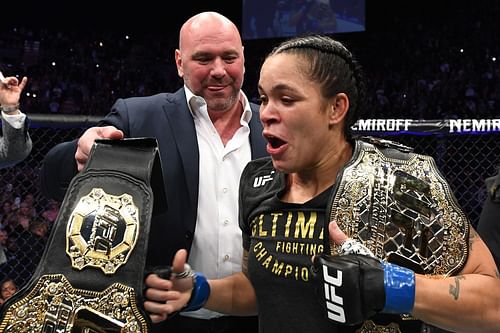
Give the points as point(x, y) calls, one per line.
point(262, 180)
point(334, 303)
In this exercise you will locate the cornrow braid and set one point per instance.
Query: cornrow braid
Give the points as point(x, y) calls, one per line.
point(334, 67)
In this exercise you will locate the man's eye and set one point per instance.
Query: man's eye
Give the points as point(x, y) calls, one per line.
point(230, 59)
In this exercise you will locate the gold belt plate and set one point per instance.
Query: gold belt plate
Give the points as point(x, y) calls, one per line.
point(102, 231)
point(53, 305)
point(403, 211)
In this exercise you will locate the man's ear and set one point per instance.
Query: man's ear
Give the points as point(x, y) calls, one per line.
point(178, 63)
point(339, 104)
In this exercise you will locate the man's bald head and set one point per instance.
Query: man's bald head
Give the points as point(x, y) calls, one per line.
point(206, 23)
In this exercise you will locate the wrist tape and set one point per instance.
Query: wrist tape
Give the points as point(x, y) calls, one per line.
point(399, 284)
point(200, 293)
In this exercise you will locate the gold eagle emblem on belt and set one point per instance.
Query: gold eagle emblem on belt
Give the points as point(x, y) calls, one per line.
point(102, 231)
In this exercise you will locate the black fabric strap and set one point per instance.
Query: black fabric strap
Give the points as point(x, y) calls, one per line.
point(134, 157)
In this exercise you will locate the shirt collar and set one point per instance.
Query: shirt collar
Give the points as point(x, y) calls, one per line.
point(197, 104)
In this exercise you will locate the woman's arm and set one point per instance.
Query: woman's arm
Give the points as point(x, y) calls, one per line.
point(468, 302)
point(233, 294)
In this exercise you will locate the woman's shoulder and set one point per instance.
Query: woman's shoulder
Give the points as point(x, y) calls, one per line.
point(258, 166)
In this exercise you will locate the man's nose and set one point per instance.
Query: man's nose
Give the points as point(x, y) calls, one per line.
point(219, 68)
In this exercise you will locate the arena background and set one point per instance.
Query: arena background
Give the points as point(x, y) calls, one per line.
point(404, 42)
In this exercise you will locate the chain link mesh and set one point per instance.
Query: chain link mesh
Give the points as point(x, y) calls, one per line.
point(465, 160)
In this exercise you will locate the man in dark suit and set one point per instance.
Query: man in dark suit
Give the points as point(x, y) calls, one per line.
point(15, 142)
point(207, 131)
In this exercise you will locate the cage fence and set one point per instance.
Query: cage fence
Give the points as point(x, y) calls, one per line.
point(465, 159)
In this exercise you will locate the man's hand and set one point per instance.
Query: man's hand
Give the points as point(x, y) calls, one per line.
point(10, 91)
point(86, 142)
point(165, 295)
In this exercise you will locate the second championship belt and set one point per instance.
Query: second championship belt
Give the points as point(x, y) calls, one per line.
point(90, 277)
point(397, 204)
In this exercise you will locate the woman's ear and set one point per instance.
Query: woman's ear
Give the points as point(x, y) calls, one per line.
point(339, 104)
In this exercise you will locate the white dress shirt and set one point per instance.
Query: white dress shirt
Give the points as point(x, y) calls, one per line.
point(217, 245)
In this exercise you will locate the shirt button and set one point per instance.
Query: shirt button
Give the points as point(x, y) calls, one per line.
point(224, 190)
point(226, 257)
point(226, 222)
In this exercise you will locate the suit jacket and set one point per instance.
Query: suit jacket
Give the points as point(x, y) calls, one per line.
point(15, 144)
point(166, 117)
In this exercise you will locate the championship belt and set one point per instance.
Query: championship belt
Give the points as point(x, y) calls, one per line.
point(398, 205)
point(90, 278)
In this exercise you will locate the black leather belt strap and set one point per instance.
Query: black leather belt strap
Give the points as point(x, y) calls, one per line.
point(90, 278)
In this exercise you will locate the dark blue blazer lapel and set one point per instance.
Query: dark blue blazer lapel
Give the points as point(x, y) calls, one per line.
point(182, 126)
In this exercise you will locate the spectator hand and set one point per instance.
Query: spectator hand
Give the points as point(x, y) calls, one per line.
point(166, 294)
point(86, 142)
point(10, 90)
point(355, 285)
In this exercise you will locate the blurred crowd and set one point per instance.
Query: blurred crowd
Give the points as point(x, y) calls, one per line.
point(25, 226)
point(83, 72)
point(419, 66)
point(439, 68)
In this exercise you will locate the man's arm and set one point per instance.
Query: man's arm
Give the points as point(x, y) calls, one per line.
point(66, 159)
point(15, 144)
point(58, 168)
point(63, 161)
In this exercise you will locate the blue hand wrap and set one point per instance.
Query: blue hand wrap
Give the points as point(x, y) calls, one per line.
point(200, 293)
point(399, 284)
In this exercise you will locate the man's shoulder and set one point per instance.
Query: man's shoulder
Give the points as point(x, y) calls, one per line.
point(254, 106)
point(156, 99)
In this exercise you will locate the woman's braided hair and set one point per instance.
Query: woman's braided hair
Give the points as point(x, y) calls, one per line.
point(333, 66)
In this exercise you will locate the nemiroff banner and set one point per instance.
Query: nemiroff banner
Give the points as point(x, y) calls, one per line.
point(424, 126)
